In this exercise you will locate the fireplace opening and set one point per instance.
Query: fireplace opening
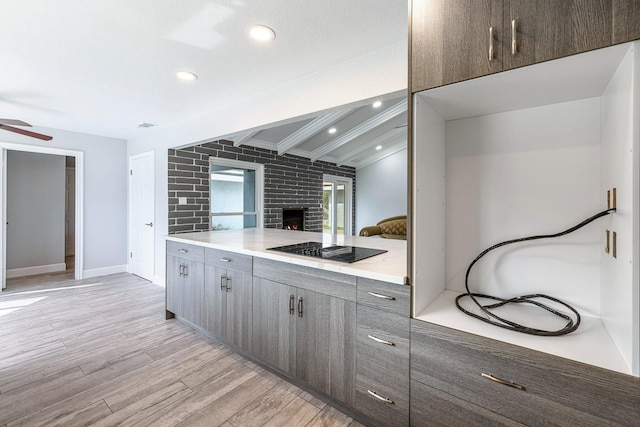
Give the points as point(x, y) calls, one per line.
point(293, 219)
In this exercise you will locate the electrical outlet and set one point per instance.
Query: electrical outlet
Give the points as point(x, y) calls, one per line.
point(182, 200)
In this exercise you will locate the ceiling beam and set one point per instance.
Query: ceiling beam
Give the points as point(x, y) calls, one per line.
point(346, 157)
point(243, 137)
point(309, 130)
point(362, 128)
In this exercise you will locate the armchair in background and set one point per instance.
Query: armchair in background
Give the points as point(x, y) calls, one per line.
point(388, 228)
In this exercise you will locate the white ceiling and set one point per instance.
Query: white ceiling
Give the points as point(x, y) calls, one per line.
point(104, 67)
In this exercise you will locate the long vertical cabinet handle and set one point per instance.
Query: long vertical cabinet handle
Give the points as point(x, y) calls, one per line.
point(514, 43)
point(300, 307)
point(223, 282)
point(490, 44)
point(186, 270)
point(181, 270)
point(292, 308)
point(228, 283)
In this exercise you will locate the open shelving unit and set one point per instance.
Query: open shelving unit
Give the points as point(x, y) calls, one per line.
point(525, 152)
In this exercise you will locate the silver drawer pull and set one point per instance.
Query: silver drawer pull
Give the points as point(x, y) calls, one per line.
point(377, 396)
point(381, 341)
point(183, 251)
point(373, 294)
point(504, 382)
point(224, 259)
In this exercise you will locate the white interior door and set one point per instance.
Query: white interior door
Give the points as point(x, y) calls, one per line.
point(142, 214)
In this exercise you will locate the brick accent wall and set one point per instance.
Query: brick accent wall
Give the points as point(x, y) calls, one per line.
point(289, 182)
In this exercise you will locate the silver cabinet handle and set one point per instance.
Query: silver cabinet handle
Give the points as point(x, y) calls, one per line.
point(490, 44)
point(228, 283)
point(381, 341)
point(377, 396)
point(300, 307)
point(291, 304)
point(503, 382)
point(181, 270)
point(224, 259)
point(373, 294)
point(186, 270)
point(183, 251)
point(514, 43)
point(223, 282)
point(149, 224)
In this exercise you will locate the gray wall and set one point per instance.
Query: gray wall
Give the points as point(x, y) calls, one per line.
point(290, 182)
point(105, 194)
point(382, 190)
point(35, 209)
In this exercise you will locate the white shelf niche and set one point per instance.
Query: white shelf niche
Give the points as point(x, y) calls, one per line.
point(526, 152)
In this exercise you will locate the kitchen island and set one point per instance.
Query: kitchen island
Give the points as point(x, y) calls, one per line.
point(340, 330)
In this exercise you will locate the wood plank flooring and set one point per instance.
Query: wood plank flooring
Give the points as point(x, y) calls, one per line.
point(99, 352)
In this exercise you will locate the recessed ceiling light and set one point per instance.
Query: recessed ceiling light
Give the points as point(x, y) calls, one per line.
point(332, 130)
point(377, 104)
point(186, 75)
point(379, 147)
point(262, 33)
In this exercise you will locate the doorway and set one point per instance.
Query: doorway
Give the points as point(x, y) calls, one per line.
point(78, 193)
point(337, 211)
point(142, 215)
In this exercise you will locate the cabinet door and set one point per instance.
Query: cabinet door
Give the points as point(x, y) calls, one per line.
point(626, 20)
point(185, 289)
point(325, 344)
point(238, 309)
point(215, 300)
point(550, 29)
point(274, 338)
point(451, 41)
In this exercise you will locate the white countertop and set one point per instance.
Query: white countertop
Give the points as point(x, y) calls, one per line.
point(389, 267)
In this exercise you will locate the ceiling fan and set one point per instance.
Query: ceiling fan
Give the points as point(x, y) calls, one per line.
point(8, 124)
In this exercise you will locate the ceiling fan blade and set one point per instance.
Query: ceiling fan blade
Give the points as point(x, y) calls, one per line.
point(13, 122)
point(26, 132)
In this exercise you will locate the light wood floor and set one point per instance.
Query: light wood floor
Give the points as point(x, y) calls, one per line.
point(99, 352)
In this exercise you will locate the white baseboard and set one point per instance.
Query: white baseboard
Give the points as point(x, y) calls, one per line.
point(95, 272)
point(38, 269)
point(159, 280)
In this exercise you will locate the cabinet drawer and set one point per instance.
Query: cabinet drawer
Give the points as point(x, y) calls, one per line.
point(185, 251)
point(384, 400)
point(385, 296)
point(554, 390)
point(432, 407)
point(383, 338)
point(231, 260)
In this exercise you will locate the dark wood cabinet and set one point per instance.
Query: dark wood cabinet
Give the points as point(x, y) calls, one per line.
point(382, 374)
point(626, 20)
point(456, 40)
point(305, 334)
point(228, 297)
point(542, 30)
point(325, 349)
point(185, 282)
point(481, 377)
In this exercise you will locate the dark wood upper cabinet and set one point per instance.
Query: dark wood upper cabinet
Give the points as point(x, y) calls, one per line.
point(451, 41)
point(550, 29)
point(626, 20)
point(455, 40)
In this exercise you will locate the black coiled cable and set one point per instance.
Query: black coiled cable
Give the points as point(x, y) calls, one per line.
point(496, 320)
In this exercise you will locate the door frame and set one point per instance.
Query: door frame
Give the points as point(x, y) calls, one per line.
point(79, 208)
point(130, 236)
point(348, 202)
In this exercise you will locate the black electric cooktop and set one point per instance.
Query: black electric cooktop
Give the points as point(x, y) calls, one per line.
point(346, 254)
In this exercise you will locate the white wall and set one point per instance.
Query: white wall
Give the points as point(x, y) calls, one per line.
point(381, 190)
point(371, 75)
point(105, 194)
point(35, 210)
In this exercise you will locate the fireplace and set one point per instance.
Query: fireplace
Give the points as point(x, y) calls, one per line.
point(293, 219)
